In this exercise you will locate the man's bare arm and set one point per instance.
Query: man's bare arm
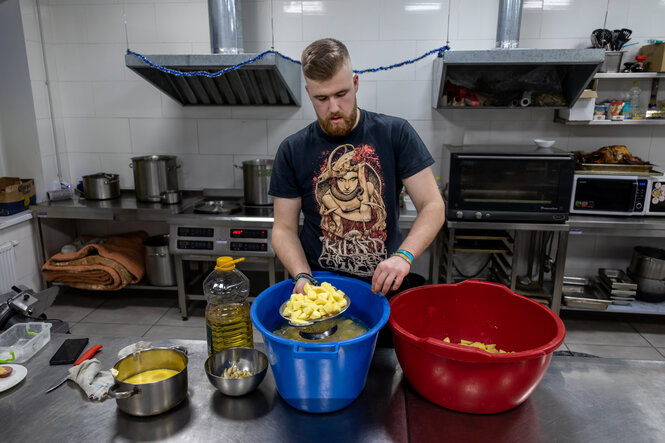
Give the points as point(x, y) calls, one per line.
point(285, 240)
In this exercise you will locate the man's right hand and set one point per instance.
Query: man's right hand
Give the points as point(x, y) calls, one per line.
point(300, 285)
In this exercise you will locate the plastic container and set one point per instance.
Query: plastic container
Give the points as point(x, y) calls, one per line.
point(467, 379)
point(321, 377)
point(635, 93)
point(228, 324)
point(21, 341)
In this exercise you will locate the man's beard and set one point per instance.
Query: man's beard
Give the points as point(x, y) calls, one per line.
point(343, 128)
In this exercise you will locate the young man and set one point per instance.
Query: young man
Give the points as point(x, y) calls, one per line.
point(345, 172)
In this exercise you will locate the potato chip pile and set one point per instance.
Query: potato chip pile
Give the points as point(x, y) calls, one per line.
point(476, 344)
point(318, 302)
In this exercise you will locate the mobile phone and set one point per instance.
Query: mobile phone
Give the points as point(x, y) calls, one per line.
point(69, 351)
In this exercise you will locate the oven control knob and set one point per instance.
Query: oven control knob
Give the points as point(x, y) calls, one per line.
point(638, 206)
point(459, 214)
point(478, 215)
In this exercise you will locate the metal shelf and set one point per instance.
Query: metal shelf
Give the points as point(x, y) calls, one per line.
point(629, 75)
point(641, 122)
point(635, 307)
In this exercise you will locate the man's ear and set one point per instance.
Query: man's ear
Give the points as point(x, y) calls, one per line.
point(355, 82)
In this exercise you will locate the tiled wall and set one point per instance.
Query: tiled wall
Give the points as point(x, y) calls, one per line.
point(105, 114)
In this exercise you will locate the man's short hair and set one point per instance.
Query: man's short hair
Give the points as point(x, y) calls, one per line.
point(323, 58)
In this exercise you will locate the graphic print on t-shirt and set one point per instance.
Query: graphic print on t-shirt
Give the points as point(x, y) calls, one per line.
point(349, 195)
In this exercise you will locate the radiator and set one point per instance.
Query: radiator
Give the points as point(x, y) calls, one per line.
point(7, 266)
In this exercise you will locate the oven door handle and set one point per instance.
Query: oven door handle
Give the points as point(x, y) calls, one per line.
point(514, 157)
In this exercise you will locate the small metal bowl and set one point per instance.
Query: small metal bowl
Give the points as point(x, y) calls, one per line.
point(248, 359)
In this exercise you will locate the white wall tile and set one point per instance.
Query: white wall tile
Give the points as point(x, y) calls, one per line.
point(476, 19)
point(141, 23)
point(342, 19)
point(164, 136)
point(636, 139)
point(369, 55)
point(105, 24)
point(423, 68)
point(523, 133)
point(413, 20)
point(574, 19)
point(287, 20)
point(126, 99)
point(50, 168)
point(81, 164)
point(265, 112)
point(410, 100)
point(233, 136)
point(646, 17)
point(532, 17)
point(278, 130)
point(366, 95)
point(67, 24)
point(206, 171)
point(436, 133)
point(77, 99)
point(84, 62)
point(29, 19)
point(256, 23)
point(182, 22)
point(97, 135)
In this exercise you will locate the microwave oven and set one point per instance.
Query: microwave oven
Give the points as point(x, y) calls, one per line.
point(509, 183)
point(609, 194)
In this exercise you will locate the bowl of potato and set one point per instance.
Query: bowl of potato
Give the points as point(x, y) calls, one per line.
point(236, 371)
point(474, 346)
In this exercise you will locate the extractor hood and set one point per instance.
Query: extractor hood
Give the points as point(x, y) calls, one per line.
point(508, 76)
point(270, 80)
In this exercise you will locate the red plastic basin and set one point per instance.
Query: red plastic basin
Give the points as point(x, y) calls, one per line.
point(467, 379)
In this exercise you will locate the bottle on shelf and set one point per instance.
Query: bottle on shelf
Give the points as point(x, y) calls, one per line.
point(635, 94)
point(228, 323)
point(654, 93)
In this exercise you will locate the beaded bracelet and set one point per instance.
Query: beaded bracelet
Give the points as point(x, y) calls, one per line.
point(309, 277)
point(404, 255)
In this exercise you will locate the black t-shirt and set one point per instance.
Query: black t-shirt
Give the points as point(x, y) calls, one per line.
point(350, 189)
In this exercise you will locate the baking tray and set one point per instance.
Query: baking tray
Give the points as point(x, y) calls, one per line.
point(616, 279)
point(592, 298)
point(614, 168)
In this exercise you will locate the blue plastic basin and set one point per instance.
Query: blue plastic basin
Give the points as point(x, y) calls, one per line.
point(321, 377)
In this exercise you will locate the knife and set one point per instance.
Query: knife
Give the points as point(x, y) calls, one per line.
point(86, 355)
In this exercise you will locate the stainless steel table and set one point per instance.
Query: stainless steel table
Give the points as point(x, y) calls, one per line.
point(579, 400)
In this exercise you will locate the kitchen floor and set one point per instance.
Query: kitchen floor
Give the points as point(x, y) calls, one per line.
point(155, 315)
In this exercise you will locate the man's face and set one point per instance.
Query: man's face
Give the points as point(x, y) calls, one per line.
point(334, 101)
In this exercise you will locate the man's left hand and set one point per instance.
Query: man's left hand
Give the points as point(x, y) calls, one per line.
point(389, 275)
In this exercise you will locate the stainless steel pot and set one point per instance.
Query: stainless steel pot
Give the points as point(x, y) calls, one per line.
point(154, 174)
point(150, 398)
point(101, 186)
point(256, 181)
point(159, 266)
point(648, 262)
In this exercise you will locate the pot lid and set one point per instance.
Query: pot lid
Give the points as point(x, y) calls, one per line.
point(216, 207)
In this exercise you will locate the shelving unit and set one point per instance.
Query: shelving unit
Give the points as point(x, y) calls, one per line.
point(617, 76)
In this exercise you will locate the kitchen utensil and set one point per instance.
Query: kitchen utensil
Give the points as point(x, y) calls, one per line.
point(647, 262)
point(614, 43)
point(321, 377)
point(150, 398)
point(628, 67)
point(154, 174)
point(22, 340)
point(214, 206)
point(159, 265)
point(612, 61)
point(170, 197)
point(86, 356)
point(244, 359)
point(639, 66)
point(314, 321)
point(18, 374)
point(101, 186)
point(596, 36)
point(256, 181)
point(464, 378)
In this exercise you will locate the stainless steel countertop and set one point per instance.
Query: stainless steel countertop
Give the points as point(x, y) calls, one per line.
point(579, 400)
point(126, 207)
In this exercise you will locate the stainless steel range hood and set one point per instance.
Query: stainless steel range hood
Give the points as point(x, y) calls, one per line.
point(271, 80)
point(511, 77)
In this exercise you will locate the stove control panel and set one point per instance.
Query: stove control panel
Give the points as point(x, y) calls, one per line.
point(220, 240)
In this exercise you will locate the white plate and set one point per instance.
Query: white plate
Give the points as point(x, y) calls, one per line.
point(19, 372)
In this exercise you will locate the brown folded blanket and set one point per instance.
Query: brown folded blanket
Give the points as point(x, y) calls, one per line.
point(107, 266)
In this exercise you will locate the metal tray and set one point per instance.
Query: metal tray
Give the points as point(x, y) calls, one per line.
point(616, 279)
point(592, 298)
point(614, 167)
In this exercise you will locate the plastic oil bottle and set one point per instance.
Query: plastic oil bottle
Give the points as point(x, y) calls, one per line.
point(228, 323)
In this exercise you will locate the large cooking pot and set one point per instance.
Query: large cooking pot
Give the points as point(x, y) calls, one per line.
point(101, 186)
point(256, 181)
point(150, 398)
point(647, 268)
point(153, 175)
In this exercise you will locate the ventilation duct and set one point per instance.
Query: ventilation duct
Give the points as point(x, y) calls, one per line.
point(270, 80)
point(508, 76)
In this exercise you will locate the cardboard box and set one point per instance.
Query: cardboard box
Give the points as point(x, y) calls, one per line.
point(655, 61)
point(16, 194)
point(582, 110)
